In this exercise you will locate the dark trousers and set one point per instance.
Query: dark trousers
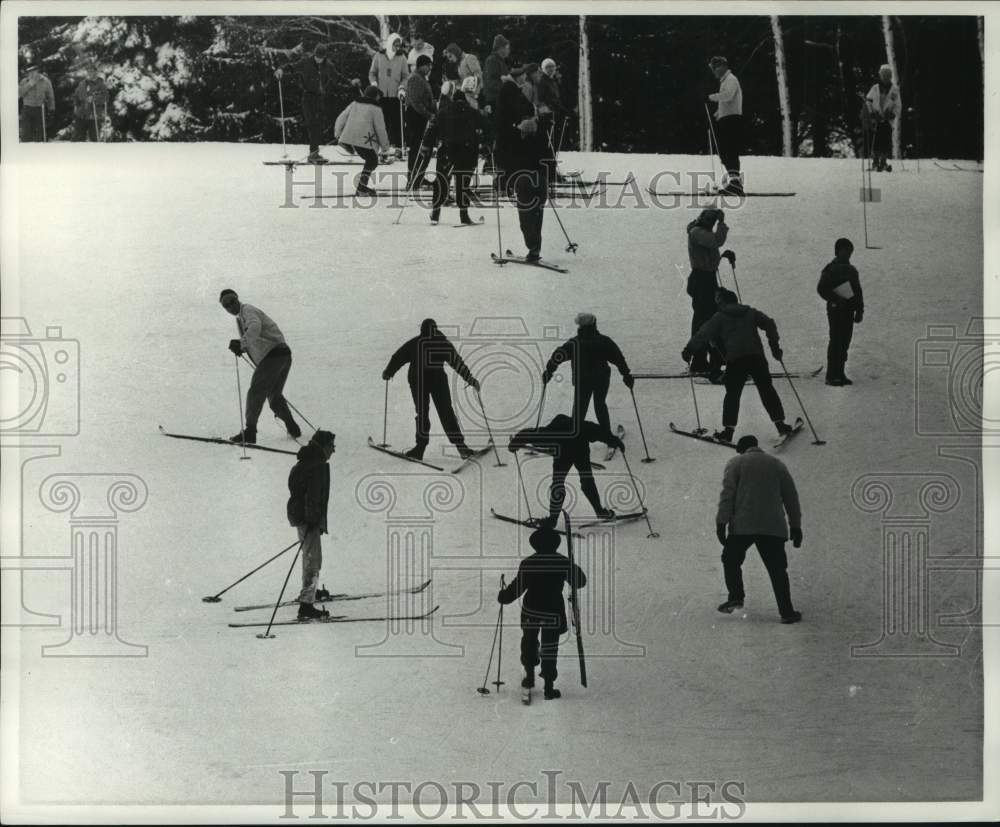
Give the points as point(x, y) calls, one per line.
point(596, 388)
point(557, 491)
point(550, 629)
point(530, 190)
point(772, 552)
point(416, 161)
point(370, 157)
point(268, 382)
point(701, 288)
point(881, 138)
point(314, 118)
point(841, 321)
point(392, 112)
point(434, 385)
point(737, 371)
point(729, 135)
point(32, 125)
point(84, 129)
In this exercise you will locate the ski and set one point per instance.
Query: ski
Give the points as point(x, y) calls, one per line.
point(336, 619)
point(574, 602)
point(618, 518)
point(307, 163)
point(678, 193)
point(955, 168)
point(478, 223)
point(510, 257)
point(526, 695)
point(476, 454)
point(338, 597)
point(781, 440)
point(401, 455)
point(533, 523)
point(703, 437)
point(218, 440)
point(702, 378)
point(610, 453)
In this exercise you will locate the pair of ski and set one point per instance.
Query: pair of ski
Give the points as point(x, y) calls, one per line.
point(478, 223)
point(336, 619)
point(537, 522)
point(510, 258)
point(385, 449)
point(717, 193)
point(702, 378)
point(704, 436)
point(218, 440)
point(333, 598)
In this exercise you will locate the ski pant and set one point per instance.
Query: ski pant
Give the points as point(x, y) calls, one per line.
point(370, 157)
point(392, 112)
point(33, 123)
point(737, 371)
point(701, 288)
point(416, 161)
point(881, 142)
point(595, 388)
point(729, 136)
point(841, 322)
point(433, 384)
point(268, 382)
point(460, 163)
point(84, 129)
point(530, 190)
point(557, 491)
point(315, 119)
point(312, 561)
point(772, 553)
point(550, 627)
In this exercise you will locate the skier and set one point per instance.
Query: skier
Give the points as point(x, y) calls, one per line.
point(882, 103)
point(419, 116)
point(547, 90)
point(360, 128)
point(261, 339)
point(540, 578)
point(317, 77)
point(427, 354)
point(459, 126)
point(420, 47)
point(840, 286)
point(465, 65)
point(569, 444)
point(728, 124)
point(590, 353)
point(90, 105)
point(757, 491)
point(308, 495)
point(705, 237)
point(734, 328)
point(35, 91)
point(389, 72)
point(495, 70)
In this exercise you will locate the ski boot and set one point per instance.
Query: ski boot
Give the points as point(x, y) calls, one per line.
point(464, 451)
point(435, 217)
point(604, 514)
point(835, 382)
point(527, 684)
point(729, 606)
point(533, 255)
point(725, 435)
point(551, 693)
point(463, 217)
point(416, 452)
point(547, 522)
point(316, 158)
point(364, 189)
point(292, 428)
point(323, 595)
point(783, 427)
point(794, 617)
point(845, 381)
point(307, 611)
point(247, 435)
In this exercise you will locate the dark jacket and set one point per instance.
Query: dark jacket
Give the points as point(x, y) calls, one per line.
point(567, 443)
point(427, 355)
point(540, 578)
point(734, 331)
point(88, 96)
point(547, 93)
point(529, 152)
point(459, 124)
point(494, 69)
point(309, 488)
point(316, 78)
point(419, 96)
point(704, 245)
point(835, 274)
point(589, 353)
point(757, 491)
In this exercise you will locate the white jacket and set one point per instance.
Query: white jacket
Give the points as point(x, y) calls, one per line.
point(258, 332)
point(729, 97)
point(411, 58)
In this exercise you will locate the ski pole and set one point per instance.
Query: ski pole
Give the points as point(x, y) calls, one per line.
point(642, 433)
point(489, 430)
point(498, 683)
point(239, 396)
point(385, 419)
point(266, 635)
point(217, 597)
point(483, 690)
point(302, 416)
point(281, 104)
point(570, 245)
point(711, 136)
point(97, 131)
point(404, 150)
point(652, 534)
point(496, 178)
point(45, 139)
point(694, 397)
point(816, 439)
point(524, 491)
point(562, 133)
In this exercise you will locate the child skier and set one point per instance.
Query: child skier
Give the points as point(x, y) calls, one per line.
point(840, 286)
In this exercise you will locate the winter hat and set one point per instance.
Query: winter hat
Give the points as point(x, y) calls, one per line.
point(725, 296)
point(544, 540)
point(547, 64)
point(423, 60)
point(499, 42)
point(718, 61)
point(747, 441)
point(885, 72)
point(585, 319)
point(428, 327)
point(372, 92)
point(390, 43)
point(322, 438)
point(453, 49)
point(228, 291)
point(469, 85)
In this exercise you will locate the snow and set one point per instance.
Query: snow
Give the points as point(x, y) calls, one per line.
point(127, 247)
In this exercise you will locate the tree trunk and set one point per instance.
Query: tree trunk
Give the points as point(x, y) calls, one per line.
point(890, 58)
point(383, 27)
point(782, 76)
point(585, 104)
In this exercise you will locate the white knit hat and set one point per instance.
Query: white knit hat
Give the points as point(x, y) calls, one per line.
point(547, 64)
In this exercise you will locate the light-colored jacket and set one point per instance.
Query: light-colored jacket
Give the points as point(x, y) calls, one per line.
point(729, 97)
point(411, 58)
point(37, 92)
point(883, 106)
point(362, 124)
point(258, 332)
point(468, 67)
point(388, 70)
point(757, 491)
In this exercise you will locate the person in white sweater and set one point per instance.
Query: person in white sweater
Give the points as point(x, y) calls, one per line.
point(882, 105)
point(757, 492)
point(728, 123)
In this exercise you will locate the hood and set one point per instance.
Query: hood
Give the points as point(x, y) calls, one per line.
point(390, 44)
point(428, 327)
point(310, 453)
point(735, 310)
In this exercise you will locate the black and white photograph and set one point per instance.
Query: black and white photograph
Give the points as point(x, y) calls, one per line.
point(663, 496)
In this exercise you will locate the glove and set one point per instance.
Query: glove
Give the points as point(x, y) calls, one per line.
point(386, 376)
point(629, 380)
point(475, 384)
point(777, 353)
point(235, 346)
point(796, 537)
point(546, 376)
point(512, 447)
point(858, 316)
point(686, 355)
point(617, 443)
point(401, 94)
point(720, 532)
point(500, 597)
point(279, 73)
point(488, 109)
